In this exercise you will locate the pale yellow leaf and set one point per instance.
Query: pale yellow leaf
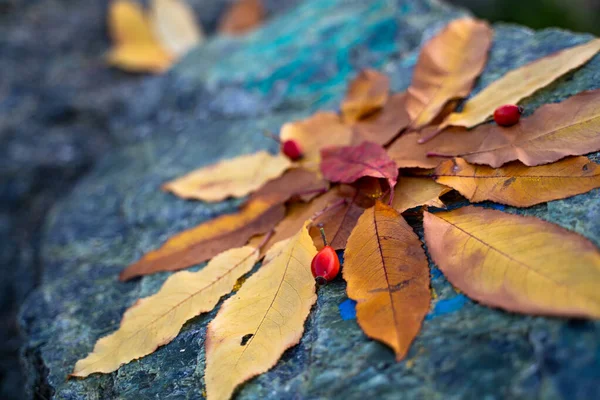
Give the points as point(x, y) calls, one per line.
point(175, 26)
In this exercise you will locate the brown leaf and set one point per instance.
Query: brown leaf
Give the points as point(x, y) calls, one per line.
point(518, 185)
point(208, 239)
point(447, 68)
point(368, 92)
point(296, 182)
point(520, 264)
point(388, 275)
point(242, 17)
point(407, 152)
point(347, 164)
point(383, 126)
point(415, 191)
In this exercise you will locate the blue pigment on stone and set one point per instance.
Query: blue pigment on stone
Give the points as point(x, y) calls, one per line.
point(348, 309)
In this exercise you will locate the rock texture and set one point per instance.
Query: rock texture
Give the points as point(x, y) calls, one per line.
point(215, 104)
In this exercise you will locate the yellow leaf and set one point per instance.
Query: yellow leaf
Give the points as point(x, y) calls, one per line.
point(175, 26)
point(156, 320)
point(412, 192)
point(266, 317)
point(388, 275)
point(236, 177)
point(520, 264)
point(368, 92)
point(520, 83)
point(447, 68)
point(518, 185)
point(140, 58)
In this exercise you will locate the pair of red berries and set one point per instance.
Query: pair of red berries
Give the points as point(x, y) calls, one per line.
point(326, 264)
point(507, 115)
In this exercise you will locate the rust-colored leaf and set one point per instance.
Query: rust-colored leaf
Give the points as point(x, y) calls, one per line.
point(388, 275)
point(296, 182)
point(263, 319)
point(518, 185)
point(447, 68)
point(208, 239)
point(368, 92)
point(416, 191)
point(242, 17)
point(235, 177)
point(347, 164)
point(385, 125)
point(520, 264)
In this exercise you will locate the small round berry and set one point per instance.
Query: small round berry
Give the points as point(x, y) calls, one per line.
point(291, 149)
point(507, 115)
point(326, 264)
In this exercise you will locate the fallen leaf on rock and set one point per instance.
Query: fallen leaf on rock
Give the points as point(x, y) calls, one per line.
point(416, 191)
point(156, 320)
point(447, 68)
point(210, 238)
point(295, 182)
point(388, 275)
point(520, 83)
point(383, 126)
point(235, 177)
point(263, 319)
point(407, 152)
point(321, 130)
point(520, 264)
point(368, 92)
point(518, 185)
point(347, 164)
point(175, 26)
point(242, 17)
point(136, 48)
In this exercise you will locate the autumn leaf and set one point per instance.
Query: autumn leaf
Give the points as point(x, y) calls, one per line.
point(521, 83)
point(136, 47)
point(156, 320)
point(447, 68)
point(347, 164)
point(520, 264)
point(384, 125)
point(235, 177)
point(417, 191)
point(263, 319)
point(368, 92)
point(295, 182)
point(518, 185)
point(242, 17)
point(388, 275)
point(175, 26)
point(321, 130)
point(210, 238)
point(407, 152)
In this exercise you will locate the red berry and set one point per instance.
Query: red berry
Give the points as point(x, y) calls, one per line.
point(291, 149)
point(326, 263)
point(507, 115)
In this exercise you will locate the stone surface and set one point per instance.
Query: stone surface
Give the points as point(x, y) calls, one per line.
point(215, 104)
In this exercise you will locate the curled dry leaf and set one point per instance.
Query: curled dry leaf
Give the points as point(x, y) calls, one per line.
point(518, 185)
point(447, 68)
point(383, 126)
point(210, 238)
point(263, 319)
point(242, 17)
point(136, 48)
point(347, 164)
point(321, 130)
point(156, 320)
point(368, 92)
point(235, 177)
point(520, 83)
point(520, 264)
point(416, 191)
point(175, 26)
point(388, 275)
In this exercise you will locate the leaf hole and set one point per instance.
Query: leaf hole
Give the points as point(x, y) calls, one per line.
point(246, 338)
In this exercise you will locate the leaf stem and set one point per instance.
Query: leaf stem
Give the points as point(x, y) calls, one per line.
point(265, 239)
point(434, 154)
point(328, 208)
point(272, 136)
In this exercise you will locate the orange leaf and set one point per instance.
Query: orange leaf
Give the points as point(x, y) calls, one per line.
point(208, 239)
point(520, 264)
point(518, 185)
point(242, 17)
point(263, 319)
point(412, 192)
point(384, 125)
point(156, 320)
point(447, 68)
point(388, 275)
point(368, 92)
